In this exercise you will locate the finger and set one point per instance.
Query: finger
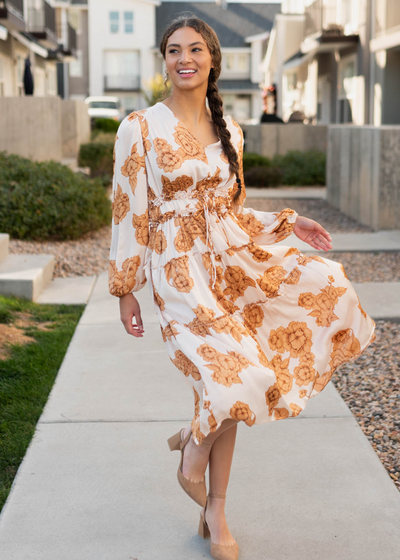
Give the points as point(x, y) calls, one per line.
point(323, 243)
point(132, 329)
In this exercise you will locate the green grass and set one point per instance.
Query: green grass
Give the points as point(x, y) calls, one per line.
point(27, 376)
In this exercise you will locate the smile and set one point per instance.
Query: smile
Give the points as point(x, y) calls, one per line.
point(187, 72)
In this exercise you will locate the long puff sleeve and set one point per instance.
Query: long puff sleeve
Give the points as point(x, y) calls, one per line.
point(265, 227)
point(130, 222)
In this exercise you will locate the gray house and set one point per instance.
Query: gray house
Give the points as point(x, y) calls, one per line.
point(243, 30)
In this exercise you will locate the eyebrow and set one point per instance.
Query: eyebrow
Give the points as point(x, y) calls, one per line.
point(191, 44)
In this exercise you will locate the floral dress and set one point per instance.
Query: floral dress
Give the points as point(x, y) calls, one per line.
point(255, 328)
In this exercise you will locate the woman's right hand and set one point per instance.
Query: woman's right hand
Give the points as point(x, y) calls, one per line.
point(129, 308)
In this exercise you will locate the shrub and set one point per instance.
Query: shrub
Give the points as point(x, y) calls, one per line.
point(263, 177)
point(251, 160)
point(302, 168)
point(48, 200)
point(105, 125)
point(98, 156)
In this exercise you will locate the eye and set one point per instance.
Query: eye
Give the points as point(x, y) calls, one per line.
point(171, 51)
point(196, 49)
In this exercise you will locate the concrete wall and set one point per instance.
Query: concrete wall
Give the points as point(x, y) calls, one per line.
point(269, 139)
point(363, 173)
point(43, 128)
point(75, 127)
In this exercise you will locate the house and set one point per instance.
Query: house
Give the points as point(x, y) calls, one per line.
point(73, 32)
point(336, 61)
point(121, 49)
point(28, 29)
point(243, 29)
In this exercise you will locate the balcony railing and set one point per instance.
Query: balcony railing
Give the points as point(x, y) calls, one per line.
point(42, 22)
point(121, 83)
point(66, 35)
point(12, 11)
point(321, 16)
point(387, 16)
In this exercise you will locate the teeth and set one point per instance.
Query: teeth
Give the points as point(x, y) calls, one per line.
point(186, 71)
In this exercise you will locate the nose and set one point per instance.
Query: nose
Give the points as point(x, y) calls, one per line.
point(185, 56)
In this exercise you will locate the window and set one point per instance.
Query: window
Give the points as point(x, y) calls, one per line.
point(236, 63)
point(74, 18)
point(75, 66)
point(20, 75)
point(122, 70)
point(114, 22)
point(128, 22)
point(346, 88)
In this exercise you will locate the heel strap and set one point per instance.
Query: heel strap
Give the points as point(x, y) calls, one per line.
point(212, 495)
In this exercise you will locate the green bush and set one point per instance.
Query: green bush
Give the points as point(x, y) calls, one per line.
point(302, 168)
point(105, 125)
point(251, 160)
point(48, 200)
point(98, 156)
point(263, 177)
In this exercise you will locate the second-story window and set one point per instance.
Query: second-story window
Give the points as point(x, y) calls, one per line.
point(114, 22)
point(128, 22)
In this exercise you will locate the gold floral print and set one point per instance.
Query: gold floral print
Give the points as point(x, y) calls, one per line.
point(177, 271)
point(226, 367)
point(141, 225)
point(170, 188)
point(296, 339)
point(345, 346)
point(228, 325)
point(191, 148)
point(169, 331)
point(186, 366)
point(212, 422)
point(293, 277)
point(272, 397)
point(343, 270)
point(271, 280)
point(250, 224)
point(159, 301)
point(304, 373)
point(121, 282)
point(236, 282)
point(120, 205)
point(259, 254)
point(167, 158)
point(241, 411)
point(160, 242)
point(190, 230)
point(133, 164)
point(284, 379)
point(302, 393)
point(281, 413)
point(196, 402)
point(253, 316)
point(321, 381)
point(296, 409)
point(322, 304)
point(197, 433)
point(224, 158)
point(209, 182)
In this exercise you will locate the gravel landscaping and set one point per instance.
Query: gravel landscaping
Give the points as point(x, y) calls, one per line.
point(370, 387)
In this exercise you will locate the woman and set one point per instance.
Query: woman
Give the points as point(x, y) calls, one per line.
point(256, 329)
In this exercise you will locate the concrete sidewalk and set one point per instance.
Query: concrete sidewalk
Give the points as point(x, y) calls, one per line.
point(98, 481)
point(387, 240)
point(286, 192)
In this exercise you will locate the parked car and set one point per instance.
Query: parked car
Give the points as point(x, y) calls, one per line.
point(104, 107)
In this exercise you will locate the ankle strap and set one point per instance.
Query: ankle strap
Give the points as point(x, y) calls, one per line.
point(212, 495)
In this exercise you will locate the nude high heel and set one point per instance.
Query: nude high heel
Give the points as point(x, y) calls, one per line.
point(217, 551)
point(196, 490)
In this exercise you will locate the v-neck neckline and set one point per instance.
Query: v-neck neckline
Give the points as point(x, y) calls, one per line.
point(186, 128)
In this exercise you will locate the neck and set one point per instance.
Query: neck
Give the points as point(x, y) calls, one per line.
point(189, 106)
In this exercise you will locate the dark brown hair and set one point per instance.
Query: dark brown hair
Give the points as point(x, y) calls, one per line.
point(214, 99)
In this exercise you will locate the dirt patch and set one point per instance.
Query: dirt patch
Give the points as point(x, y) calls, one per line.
point(14, 333)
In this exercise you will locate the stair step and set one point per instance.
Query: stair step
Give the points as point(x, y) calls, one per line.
point(25, 275)
point(4, 241)
point(68, 291)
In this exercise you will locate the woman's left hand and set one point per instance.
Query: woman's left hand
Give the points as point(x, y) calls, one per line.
point(312, 233)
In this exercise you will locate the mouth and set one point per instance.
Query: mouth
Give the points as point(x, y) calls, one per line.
point(187, 72)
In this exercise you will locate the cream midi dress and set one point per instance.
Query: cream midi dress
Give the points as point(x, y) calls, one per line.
point(255, 328)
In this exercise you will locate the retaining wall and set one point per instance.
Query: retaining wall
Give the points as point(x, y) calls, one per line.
point(363, 173)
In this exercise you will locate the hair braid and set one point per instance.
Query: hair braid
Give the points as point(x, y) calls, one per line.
point(214, 99)
point(215, 104)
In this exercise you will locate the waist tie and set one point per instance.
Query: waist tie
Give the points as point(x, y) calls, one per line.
point(210, 244)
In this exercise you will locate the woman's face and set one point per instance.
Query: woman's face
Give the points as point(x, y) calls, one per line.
point(188, 59)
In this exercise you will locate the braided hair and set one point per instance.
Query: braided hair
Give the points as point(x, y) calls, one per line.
point(214, 99)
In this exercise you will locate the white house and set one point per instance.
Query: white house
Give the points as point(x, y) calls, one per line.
point(121, 43)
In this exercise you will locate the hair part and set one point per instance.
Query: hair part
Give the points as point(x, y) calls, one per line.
point(214, 98)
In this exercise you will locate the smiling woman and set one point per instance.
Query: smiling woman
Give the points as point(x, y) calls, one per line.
point(255, 328)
